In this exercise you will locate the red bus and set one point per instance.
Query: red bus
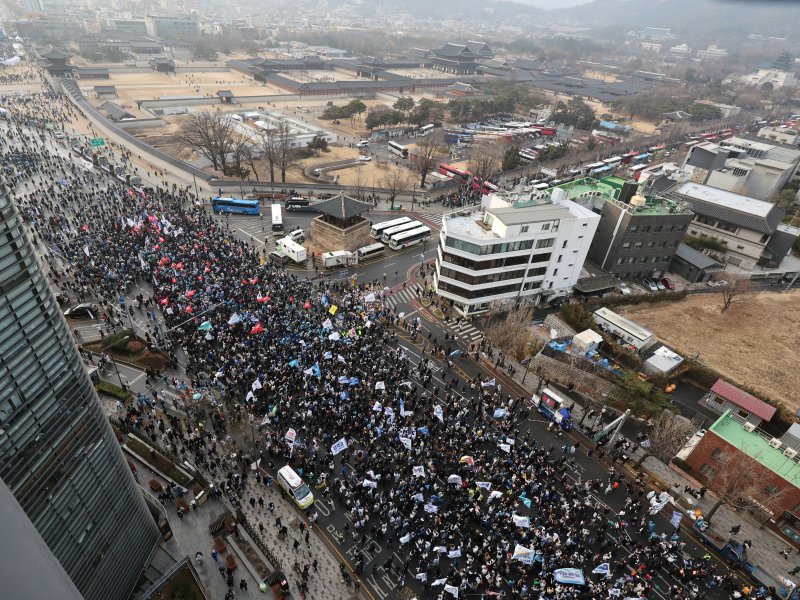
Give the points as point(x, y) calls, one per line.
point(452, 172)
point(487, 188)
point(629, 157)
point(547, 131)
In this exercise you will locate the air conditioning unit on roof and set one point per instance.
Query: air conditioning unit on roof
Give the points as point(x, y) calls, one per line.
point(775, 443)
point(749, 427)
point(790, 452)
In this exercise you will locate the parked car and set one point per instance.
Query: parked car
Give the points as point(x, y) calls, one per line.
point(668, 283)
point(661, 287)
point(649, 284)
point(712, 283)
point(82, 311)
point(624, 289)
point(365, 158)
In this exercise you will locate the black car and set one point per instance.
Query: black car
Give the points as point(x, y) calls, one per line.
point(82, 311)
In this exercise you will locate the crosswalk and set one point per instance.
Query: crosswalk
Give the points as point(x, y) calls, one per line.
point(404, 296)
point(463, 330)
point(466, 330)
point(435, 219)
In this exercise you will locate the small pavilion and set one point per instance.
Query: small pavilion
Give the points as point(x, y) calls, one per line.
point(340, 225)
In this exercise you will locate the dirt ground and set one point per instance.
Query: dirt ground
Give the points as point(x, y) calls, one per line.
point(753, 343)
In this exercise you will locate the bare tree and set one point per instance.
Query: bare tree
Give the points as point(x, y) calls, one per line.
point(394, 182)
point(667, 436)
point(269, 149)
point(509, 333)
point(485, 161)
point(209, 134)
point(239, 150)
point(739, 484)
point(427, 155)
point(731, 286)
point(285, 156)
point(250, 155)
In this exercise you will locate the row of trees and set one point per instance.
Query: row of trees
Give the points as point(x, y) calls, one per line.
point(220, 140)
point(576, 113)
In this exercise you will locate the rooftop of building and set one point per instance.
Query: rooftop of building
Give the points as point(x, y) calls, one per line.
point(756, 445)
point(762, 214)
point(609, 188)
point(470, 223)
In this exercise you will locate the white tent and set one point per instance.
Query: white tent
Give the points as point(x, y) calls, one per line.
point(587, 341)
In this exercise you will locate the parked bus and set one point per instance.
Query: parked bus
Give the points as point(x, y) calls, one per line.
point(378, 228)
point(452, 172)
point(593, 166)
point(636, 171)
point(540, 187)
point(425, 129)
point(613, 161)
point(388, 233)
point(409, 238)
point(528, 155)
point(370, 251)
point(396, 148)
point(277, 218)
point(487, 188)
point(235, 205)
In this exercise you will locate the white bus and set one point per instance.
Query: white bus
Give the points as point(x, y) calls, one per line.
point(540, 187)
point(379, 228)
point(388, 233)
point(613, 161)
point(277, 218)
point(527, 155)
point(370, 251)
point(409, 238)
point(396, 148)
point(425, 129)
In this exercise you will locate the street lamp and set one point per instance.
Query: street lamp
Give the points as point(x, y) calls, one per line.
point(114, 361)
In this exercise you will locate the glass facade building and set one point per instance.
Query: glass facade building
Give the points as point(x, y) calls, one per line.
point(58, 455)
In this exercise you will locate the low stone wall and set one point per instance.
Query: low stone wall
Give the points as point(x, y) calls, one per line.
point(562, 329)
point(328, 238)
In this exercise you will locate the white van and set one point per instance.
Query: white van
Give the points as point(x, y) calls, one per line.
point(362, 144)
point(294, 485)
point(297, 236)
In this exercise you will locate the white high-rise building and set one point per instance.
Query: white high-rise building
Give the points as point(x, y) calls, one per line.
point(521, 247)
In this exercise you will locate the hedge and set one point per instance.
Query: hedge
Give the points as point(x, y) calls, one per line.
point(104, 387)
point(162, 463)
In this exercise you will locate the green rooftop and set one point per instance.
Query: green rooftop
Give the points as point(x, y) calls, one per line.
point(608, 189)
point(755, 444)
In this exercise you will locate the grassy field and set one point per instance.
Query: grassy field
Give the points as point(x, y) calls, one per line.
point(754, 343)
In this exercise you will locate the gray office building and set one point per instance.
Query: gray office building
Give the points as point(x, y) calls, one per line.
point(58, 455)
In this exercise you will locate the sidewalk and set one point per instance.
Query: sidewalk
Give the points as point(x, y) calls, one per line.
point(765, 553)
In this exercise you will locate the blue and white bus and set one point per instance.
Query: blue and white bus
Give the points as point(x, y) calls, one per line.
point(408, 238)
point(425, 129)
point(235, 205)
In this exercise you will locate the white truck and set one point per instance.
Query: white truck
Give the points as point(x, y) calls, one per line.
point(292, 249)
point(337, 258)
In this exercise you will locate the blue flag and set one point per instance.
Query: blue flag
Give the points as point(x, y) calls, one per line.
point(602, 569)
point(315, 370)
point(525, 501)
point(354, 381)
point(423, 430)
point(206, 326)
point(294, 363)
point(343, 379)
point(570, 575)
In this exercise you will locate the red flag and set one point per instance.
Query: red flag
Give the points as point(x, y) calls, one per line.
point(164, 301)
point(190, 293)
point(179, 265)
point(85, 228)
point(254, 281)
point(189, 309)
point(257, 329)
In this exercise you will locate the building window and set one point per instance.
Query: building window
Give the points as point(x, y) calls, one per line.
point(633, 229)
point(707, 471)
point(626, 245)
point(717, 454)
point(715, 399)
point(637, 245)
point(620, 261)
point(545, 243)
point(546, 227)
point(555, 272)
point(523, 229)
point(564, 245)
point(740, 247)
point(559, 258)
point(536, 272)
point(743, 413)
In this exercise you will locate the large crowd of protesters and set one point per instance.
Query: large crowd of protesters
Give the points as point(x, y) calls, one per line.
point(438, 469)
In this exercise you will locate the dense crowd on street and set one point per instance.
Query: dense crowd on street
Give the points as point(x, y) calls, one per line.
point(439, 469)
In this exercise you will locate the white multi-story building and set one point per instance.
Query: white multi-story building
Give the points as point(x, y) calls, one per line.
point(516, 248)
point(712, 51)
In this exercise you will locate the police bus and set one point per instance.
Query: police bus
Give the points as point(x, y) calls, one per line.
point(370, 251)
point(398, 149)
point(277, 217)
point(378, 228)
point(409, 238)
point(388, 233)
